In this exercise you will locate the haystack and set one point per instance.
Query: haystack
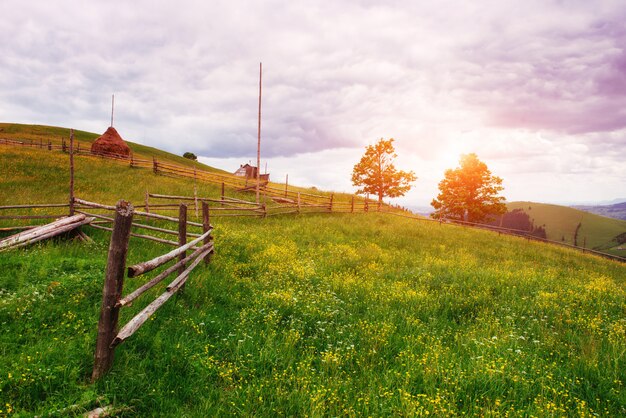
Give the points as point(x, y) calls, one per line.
point(110, 143)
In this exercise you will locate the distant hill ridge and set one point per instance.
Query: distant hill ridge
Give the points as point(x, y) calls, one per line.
point(616, 211)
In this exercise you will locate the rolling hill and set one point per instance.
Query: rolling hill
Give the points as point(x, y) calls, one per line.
point(562, 224)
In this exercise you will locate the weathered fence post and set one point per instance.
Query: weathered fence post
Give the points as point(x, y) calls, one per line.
point(71, 172)
point(113, 285)
point(63, 146)
point(366, 206)
point(330, 205)
point(206, 225)
point(222, 194)
point(298, 202)
point(49, 145)
point(352, 205)
point(146, 202)
point(195, 197)
point(286, 183)
point(182, 233)
point(155, 165)
point(132, 162)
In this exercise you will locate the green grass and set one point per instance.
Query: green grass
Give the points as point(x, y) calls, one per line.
point(326, 315)
point(560, 222)
point(56, 135)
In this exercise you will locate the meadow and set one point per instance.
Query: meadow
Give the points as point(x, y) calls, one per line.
point(327, 315)
point(316, 315)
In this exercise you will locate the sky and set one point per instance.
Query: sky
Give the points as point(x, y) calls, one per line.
point(537, 89)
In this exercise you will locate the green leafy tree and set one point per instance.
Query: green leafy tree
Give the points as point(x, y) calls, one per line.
point(190, 155)
point(376, 174)
point(469, 192)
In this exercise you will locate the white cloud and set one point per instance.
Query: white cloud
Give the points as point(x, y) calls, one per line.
point(535, 88)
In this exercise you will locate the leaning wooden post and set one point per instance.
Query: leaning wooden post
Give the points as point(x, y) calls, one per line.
point(71, 172)
point(352, 205)
point(182, 233)
point(155, 165)
point(113, 285)
point(222, 194)
point(206, 225)
point(330, 206)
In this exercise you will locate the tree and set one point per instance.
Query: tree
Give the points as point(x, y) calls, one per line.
point(469, 192)
point(376, 173)
point(190, 155)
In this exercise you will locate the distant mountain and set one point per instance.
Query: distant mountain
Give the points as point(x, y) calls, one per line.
point(616, 211)
point(421, 210)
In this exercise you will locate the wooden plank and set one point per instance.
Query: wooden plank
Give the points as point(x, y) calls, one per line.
point(164, 274)
point(58, 215)
point(141, 268)
point(138, 320)
point(51, 205)
point(49, 234)
point(41, 230)
point(141, 226)
point(141, 236)
point(146, 214)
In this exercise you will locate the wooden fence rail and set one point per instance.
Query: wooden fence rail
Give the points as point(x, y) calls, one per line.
point(112, 301)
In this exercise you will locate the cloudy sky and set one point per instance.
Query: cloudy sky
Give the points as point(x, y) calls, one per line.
point(536, 88)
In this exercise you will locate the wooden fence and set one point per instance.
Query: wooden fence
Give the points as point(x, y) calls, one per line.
point(510, 231)
point(271, 206)
point(112, 295)
point(173, 170)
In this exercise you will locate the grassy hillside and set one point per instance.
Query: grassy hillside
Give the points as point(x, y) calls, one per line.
point(56, 135)
point(561, 222)
point(327, 315)
point(37, 133)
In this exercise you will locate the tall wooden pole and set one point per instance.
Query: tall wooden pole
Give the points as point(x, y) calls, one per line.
point(112, 105)
point(258, 148)
point(71, 172)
